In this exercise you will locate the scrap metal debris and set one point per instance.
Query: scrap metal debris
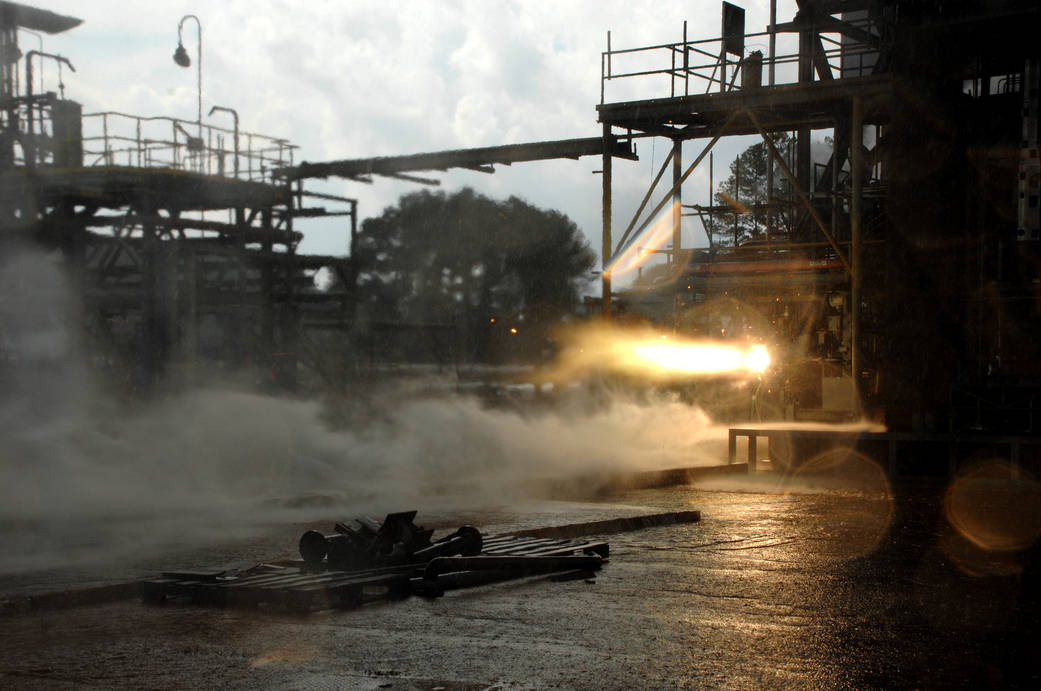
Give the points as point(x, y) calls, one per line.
point(366, 560)
point(398, 540)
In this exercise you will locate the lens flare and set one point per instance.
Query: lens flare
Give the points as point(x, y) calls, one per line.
point(737, 206)
point(993, 510)
point(642, 246)
point(862, 505)
point(995, 507)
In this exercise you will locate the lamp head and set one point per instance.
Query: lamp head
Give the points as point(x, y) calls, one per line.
point(180, 56)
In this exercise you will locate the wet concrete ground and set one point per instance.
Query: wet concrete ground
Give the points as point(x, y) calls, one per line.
point(830, 588)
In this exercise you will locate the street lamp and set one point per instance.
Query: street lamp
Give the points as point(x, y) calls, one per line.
point(180, 56)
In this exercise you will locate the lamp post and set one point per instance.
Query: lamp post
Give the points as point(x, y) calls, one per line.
point(180, 56)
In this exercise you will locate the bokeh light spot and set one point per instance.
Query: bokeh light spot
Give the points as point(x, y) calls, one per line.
point(863, 506)
point(994, 507)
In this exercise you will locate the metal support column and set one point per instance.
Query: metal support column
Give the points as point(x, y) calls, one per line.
point(856, 160)
point(350, 304)
point(267, 308)
point(152, 336)
point(188, 296)
point(711, 203)
point(803, 153)
point(773, 39)
point(605, 276)
point(677, 199)
point(770, 229)
point(289, 313)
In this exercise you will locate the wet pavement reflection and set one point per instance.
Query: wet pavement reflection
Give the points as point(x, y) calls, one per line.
point(796, 583)
point(849, 588)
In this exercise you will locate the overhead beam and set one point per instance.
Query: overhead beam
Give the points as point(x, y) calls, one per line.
point(23, 16)
point(826, 24)
point(812, 103)
point(330, 197)
point(481, 158)
point(834, 6)
point(413, 178)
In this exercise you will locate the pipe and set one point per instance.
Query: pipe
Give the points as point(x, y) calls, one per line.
point(235, 116)
point(29, 67)
point(31, 154)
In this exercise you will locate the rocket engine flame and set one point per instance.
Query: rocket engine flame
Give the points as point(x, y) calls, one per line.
point(669, 357)
point(657, 356)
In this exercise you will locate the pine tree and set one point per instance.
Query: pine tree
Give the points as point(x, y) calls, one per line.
point(747, 199)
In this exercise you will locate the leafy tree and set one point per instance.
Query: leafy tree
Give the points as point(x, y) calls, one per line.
point(745, 194)
point(464, 259)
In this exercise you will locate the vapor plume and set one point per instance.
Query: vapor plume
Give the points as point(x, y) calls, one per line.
point(85, 475)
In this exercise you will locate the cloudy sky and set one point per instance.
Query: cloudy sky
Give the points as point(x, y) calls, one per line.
point(362, 78)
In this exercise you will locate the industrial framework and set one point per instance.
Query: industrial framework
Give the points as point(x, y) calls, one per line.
point(894, 263)
point(180, 236)
point(894, 254)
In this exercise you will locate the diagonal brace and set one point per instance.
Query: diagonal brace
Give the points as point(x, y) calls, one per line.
point(798, 190)
point(643, 204)
point(697, 161)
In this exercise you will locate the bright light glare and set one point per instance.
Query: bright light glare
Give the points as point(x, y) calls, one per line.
point(648, 354)
point(677, 357)
point(757, 359)
point(691, 358)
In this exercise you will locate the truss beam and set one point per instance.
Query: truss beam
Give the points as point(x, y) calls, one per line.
point(480, 158)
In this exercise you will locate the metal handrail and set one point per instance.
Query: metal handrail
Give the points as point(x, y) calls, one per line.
point(165, 142)
point(712, 49)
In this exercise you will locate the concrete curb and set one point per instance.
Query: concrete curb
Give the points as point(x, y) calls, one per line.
point(65, 599)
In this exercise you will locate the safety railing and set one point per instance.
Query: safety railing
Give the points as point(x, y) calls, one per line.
point(118, 139)
point(702, 66)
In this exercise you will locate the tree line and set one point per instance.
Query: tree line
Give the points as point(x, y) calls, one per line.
point(461, 276)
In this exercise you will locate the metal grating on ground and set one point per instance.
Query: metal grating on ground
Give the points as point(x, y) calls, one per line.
point(300, 587)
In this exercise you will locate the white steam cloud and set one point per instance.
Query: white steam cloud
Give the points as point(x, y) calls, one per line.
point(83, 474)
point(219, 450)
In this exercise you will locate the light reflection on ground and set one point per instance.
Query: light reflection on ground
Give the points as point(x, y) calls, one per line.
point(815, 588)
